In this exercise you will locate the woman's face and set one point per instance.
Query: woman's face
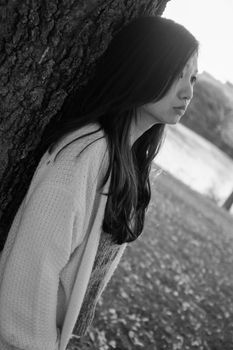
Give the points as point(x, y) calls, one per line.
point(170, 108)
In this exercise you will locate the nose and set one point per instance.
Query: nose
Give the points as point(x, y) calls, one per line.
point(186, 92)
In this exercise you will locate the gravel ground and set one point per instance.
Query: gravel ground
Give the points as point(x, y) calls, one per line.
point(174, 286)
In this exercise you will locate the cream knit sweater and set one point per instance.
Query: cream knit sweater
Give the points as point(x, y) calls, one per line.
point(49, 254)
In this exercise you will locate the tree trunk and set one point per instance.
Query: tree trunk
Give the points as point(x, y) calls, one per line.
point(47, 50)
point(228, 202)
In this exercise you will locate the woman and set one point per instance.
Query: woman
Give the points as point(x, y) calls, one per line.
point(89, 194)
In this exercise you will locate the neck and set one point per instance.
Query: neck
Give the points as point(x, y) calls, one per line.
point(140, 125)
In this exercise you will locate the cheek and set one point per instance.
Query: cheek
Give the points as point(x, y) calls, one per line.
point(152, 108)
point(159, 108)
point(164, 105)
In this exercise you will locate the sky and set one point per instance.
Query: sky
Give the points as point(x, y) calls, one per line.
point(211, 22)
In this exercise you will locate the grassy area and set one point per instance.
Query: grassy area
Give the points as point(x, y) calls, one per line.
point(174, 286)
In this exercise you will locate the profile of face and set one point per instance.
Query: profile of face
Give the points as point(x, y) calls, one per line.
point(172, 106)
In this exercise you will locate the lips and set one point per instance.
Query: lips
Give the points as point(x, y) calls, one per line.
point(180, 109)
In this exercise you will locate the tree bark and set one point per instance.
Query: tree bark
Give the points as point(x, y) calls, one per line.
point(48, 49)
point(228, 202)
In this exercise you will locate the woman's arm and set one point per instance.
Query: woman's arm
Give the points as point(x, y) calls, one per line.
point(28, 294)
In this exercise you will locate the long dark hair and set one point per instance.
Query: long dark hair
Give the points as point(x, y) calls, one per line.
point(139, 66)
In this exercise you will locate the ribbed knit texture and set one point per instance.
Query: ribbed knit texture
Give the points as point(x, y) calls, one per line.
point(39, 263)
point(106, 254)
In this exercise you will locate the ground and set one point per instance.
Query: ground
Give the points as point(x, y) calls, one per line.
point(174, 286)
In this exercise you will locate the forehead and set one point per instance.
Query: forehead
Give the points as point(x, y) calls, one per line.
point(192, 64)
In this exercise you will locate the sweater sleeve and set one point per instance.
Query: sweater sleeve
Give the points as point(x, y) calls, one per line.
point(29, 287)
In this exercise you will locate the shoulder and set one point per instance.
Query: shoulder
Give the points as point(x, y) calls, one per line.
point(89, 139)
point(79, 139)
point(88, 143)
point(81, 153)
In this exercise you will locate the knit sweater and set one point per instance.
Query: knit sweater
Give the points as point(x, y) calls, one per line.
point(57, 261)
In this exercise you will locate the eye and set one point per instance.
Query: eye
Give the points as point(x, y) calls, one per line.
point(193, 79)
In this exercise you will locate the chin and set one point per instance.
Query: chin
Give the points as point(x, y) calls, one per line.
point(174, 121)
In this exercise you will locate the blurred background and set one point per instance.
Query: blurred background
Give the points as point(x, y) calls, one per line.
point(199, 151)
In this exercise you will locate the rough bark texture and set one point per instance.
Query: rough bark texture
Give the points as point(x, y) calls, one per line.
point(48, 49)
